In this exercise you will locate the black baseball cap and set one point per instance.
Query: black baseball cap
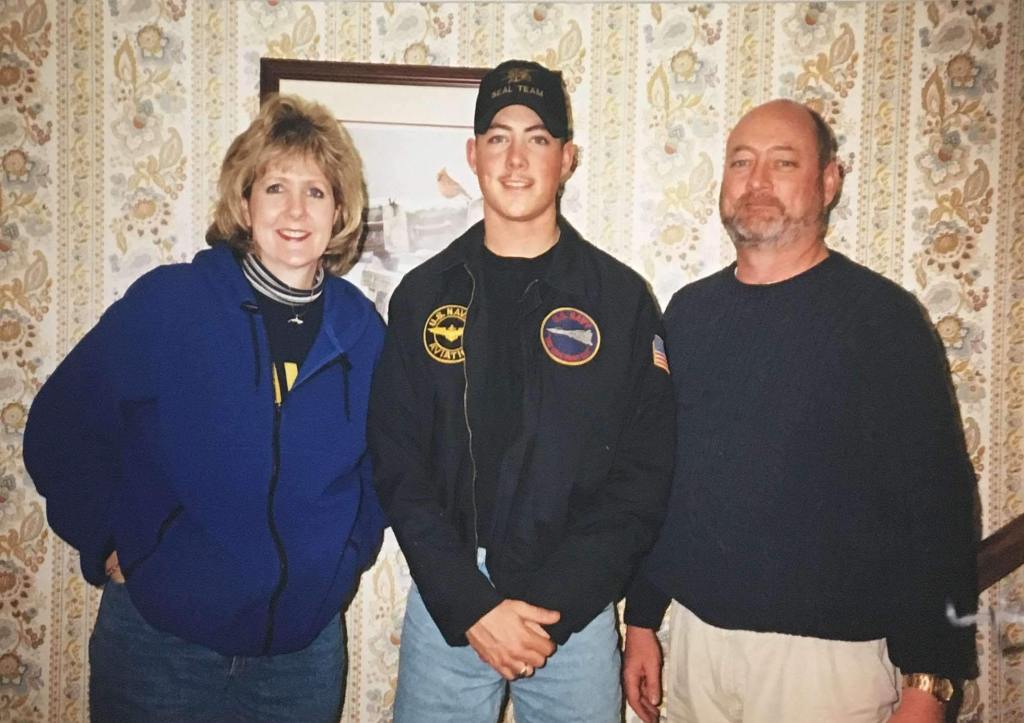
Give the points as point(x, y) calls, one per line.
point(522, 82)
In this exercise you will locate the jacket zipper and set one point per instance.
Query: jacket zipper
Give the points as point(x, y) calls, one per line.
point(501, 512)
point(282, 557)
point(346, 368)
point(465, 412)
point(164, 526)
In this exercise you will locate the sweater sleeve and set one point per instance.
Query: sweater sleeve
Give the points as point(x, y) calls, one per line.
point(645, 603)
point(605, 542)
point(933, 490)
point(454, 591)
point(72, 445)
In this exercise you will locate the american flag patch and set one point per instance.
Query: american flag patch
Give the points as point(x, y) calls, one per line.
point(658, 353)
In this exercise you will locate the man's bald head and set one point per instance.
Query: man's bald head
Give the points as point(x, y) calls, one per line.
point(781, 176)
point(825, 139)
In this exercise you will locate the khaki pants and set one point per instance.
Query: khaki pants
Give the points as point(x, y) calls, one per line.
point(738, 676)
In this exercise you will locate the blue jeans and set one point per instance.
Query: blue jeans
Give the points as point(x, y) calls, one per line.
point(441, 684)
point(139, 673)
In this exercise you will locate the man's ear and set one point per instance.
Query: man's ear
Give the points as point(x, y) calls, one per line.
point(471, 154)
point(570, 158)
point(831, 182)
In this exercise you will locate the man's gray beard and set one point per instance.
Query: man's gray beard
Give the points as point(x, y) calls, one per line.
point(776, 231)
point(741, 236)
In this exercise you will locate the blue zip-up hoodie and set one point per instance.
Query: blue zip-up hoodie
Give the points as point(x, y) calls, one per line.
point(239, 525)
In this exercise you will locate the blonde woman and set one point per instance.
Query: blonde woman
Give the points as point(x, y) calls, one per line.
point(203, 447)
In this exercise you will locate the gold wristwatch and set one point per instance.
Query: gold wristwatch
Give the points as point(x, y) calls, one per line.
point(941, 688)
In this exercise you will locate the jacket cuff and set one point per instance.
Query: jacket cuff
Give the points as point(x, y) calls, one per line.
point(454, 629)
point(456, 595)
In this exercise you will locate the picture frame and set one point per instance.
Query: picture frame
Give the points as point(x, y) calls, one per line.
point(410, 124)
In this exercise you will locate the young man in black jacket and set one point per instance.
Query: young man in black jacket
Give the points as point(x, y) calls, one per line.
point(522, 430)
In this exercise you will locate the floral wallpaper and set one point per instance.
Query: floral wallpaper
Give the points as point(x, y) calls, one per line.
point(114, 117)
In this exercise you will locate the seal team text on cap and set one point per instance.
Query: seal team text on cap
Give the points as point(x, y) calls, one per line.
point(521, 82)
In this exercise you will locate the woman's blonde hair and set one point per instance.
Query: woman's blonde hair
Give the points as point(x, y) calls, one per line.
point(292, 127)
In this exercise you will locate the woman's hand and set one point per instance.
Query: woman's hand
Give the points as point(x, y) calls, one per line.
point(114, 569)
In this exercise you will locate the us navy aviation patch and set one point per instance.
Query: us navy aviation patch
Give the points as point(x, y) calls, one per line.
point(442, 334)
point(570, 336)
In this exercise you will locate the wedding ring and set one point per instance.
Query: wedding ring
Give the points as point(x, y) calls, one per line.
point(524, 671)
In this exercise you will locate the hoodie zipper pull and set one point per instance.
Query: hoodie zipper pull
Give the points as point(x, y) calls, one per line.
point(346, 367)
point(252, 310)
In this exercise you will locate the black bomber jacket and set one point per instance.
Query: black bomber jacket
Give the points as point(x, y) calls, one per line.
point(581, 491)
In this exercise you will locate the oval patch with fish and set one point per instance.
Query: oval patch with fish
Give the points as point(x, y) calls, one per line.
point(442, 334)
point(570, 336)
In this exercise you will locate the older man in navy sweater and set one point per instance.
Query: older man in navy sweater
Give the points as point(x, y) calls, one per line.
point(821, 516)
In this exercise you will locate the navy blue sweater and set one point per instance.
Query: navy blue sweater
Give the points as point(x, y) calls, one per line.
point(822, 486)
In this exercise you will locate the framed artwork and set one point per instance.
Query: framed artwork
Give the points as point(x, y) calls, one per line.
point(410, 124)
